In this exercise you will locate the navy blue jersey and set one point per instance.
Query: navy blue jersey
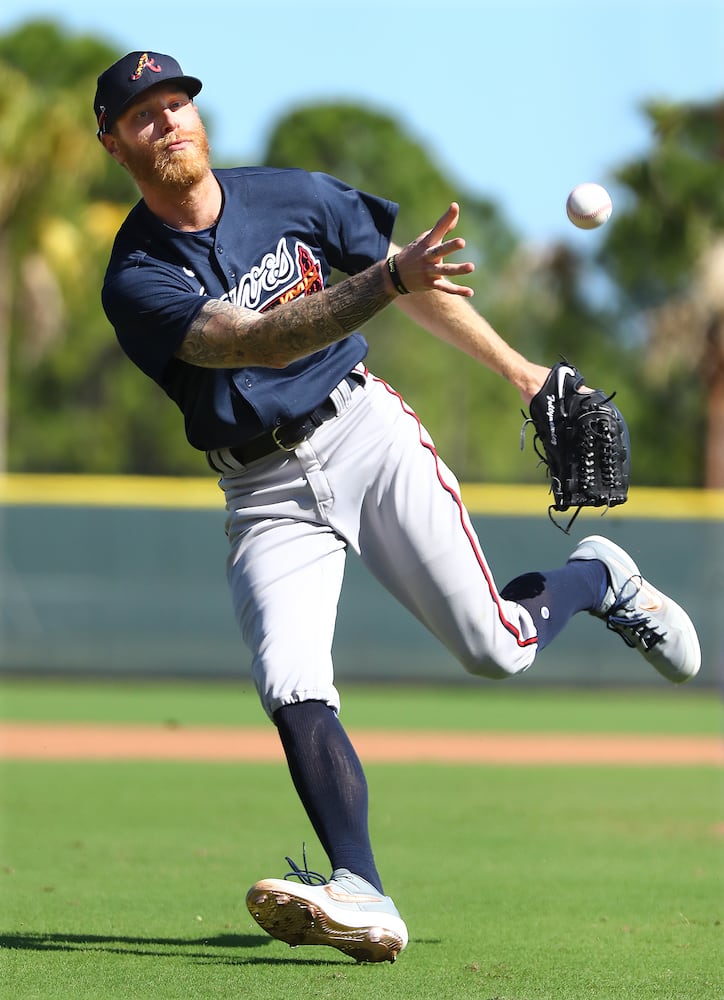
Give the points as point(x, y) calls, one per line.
point(279, 235)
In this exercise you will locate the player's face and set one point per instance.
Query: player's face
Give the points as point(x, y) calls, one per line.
point(161, 139)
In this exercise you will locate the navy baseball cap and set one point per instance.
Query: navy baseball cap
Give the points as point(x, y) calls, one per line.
point(128, 78)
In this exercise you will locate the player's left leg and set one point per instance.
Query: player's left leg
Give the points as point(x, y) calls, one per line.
point(330, 783)
point(348, 911)
point(345, 912)
point(285, 572)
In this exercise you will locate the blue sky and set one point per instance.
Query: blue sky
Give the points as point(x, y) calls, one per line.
point(518, 100)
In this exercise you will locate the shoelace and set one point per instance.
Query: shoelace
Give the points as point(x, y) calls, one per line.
point(304, 875)
point(633, 627)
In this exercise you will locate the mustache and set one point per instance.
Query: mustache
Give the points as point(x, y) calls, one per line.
point(168, 140)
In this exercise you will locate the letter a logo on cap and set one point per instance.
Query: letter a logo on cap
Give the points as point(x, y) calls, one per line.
point(146, 63)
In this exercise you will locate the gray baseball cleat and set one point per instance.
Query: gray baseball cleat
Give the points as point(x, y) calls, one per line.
point(346, 913)
point(646, 619)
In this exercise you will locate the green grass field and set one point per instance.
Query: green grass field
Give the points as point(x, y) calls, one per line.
point(126, 880)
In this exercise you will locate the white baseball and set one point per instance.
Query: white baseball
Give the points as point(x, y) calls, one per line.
point(589, 206)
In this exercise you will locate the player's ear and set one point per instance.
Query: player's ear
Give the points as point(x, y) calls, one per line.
point(111, 146)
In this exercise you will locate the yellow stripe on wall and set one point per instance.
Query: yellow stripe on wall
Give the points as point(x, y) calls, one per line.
point(194, 493)
point(644, 502)
point(111, 491)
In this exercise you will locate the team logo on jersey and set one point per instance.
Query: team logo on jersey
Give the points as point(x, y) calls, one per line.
point(282, 275)
point(146, 62)
point(310, 280)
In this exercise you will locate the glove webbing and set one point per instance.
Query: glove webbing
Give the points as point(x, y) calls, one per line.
point(544, 461)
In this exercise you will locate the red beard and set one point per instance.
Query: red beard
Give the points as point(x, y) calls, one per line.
point(155, 163)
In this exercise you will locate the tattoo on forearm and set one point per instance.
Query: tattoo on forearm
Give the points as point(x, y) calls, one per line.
point(222, 335)
point(356, 300)
point(201, 346)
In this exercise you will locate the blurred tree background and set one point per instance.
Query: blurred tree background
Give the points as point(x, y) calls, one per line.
point(644, 316)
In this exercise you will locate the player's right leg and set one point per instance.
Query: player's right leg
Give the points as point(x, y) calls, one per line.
point(414, 534)
point(417, 538)
point(646, 619)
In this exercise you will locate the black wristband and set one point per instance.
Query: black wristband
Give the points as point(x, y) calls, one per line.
point(395, 275)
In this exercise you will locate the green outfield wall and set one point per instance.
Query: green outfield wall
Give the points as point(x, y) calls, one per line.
point(105, 575)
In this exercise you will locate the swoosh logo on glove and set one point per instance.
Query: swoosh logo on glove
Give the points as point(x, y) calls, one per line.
point(562, 372)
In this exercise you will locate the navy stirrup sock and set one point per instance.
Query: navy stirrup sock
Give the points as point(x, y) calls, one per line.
point(553, 597)
point(331, 784)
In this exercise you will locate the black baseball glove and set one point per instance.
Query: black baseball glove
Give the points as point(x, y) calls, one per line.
point(583, 439)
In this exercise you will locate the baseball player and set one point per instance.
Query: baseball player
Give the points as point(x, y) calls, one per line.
point(217, 290)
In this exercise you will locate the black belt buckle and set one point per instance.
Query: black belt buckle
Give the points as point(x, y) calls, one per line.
point(291, 445)
point(298, 431)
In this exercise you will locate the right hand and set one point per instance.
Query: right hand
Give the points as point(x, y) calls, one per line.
point(421, 263)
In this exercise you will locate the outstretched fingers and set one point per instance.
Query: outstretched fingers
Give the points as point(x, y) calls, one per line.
point(436, 251)
point(442, 283)
point(422, 264)
point(447, 221)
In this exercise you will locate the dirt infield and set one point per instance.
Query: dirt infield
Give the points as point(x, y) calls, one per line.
point(43, 741)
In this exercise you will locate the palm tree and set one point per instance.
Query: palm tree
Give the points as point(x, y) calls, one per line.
point(21, 162)
point(49, 171)
point(665, 255)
